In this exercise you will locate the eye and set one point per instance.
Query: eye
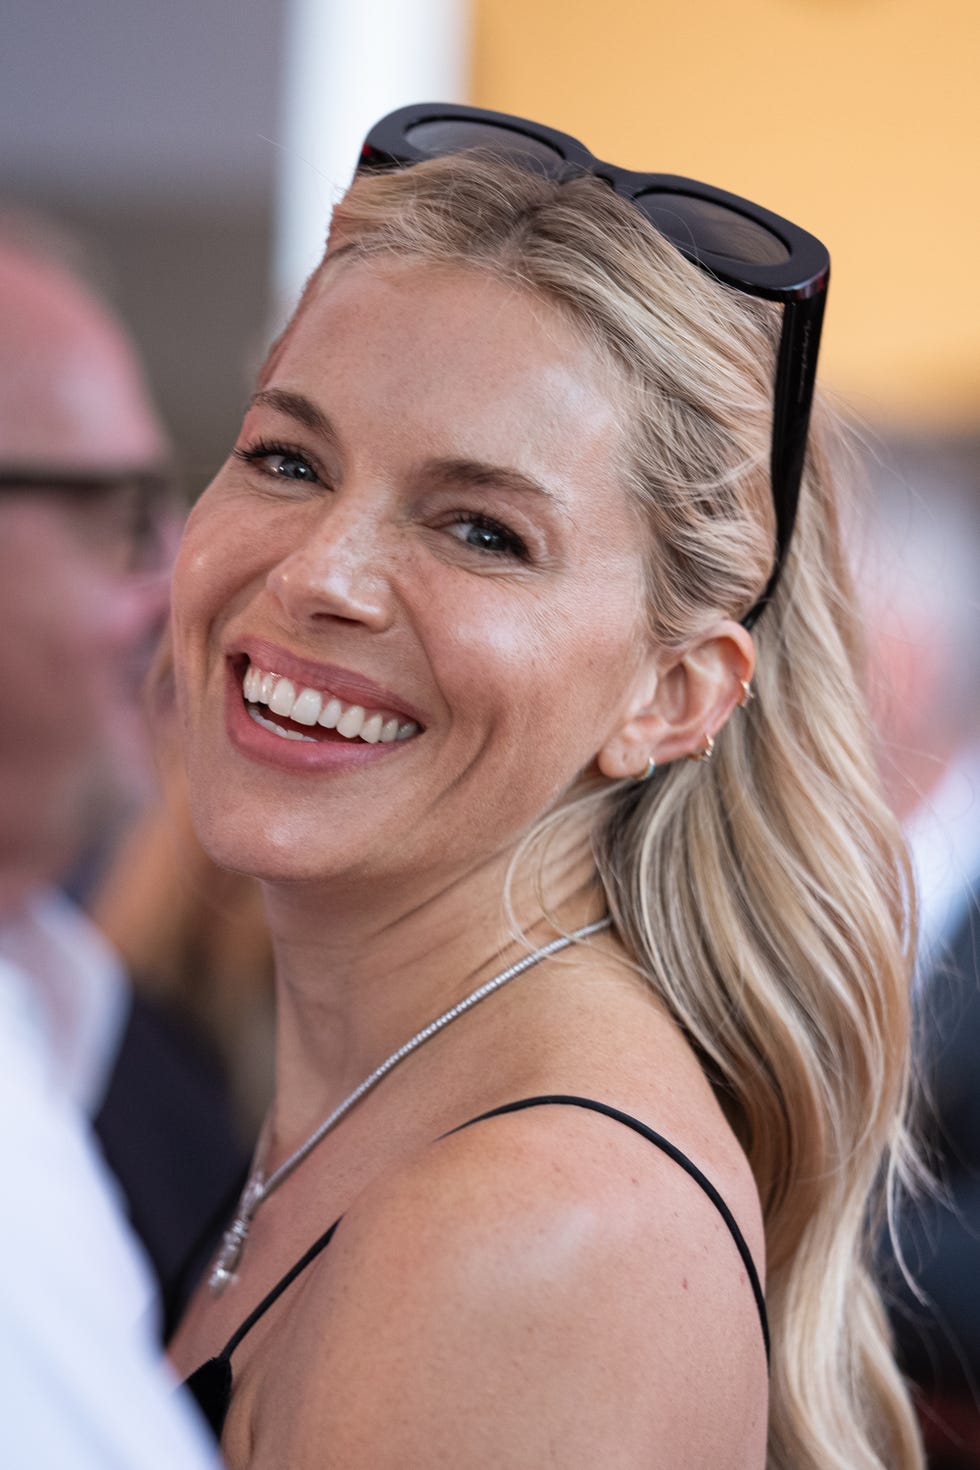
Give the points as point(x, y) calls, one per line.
point(280, 461)
point(485, 534)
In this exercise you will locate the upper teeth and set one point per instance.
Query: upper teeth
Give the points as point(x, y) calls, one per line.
point(316, 707)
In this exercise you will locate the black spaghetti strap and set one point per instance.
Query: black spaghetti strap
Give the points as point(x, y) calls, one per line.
point(320, 1244)
point(672, 1152)
point(211, 1384)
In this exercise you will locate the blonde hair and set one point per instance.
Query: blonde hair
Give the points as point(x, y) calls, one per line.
point(765, 895)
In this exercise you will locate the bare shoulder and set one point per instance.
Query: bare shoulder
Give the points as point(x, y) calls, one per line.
point(542, 1287)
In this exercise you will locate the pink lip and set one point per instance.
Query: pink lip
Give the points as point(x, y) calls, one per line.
point(350, 687)
point(297, 757)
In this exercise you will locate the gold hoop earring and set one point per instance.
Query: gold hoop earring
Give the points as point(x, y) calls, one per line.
point(748, 694)
point(706, 753)
point(645, 775)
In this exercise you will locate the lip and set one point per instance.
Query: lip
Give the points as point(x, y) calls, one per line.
point(297, 757)
point(347, 685)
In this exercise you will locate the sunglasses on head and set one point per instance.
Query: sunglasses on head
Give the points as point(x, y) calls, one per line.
point(745, 246)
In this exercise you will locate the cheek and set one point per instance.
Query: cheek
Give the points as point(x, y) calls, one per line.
point(545, 677)
point(220, 555)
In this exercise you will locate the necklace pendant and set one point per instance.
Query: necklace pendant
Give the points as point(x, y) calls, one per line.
point(225, 1269)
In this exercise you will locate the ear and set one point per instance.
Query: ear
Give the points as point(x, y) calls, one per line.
point(680, 701)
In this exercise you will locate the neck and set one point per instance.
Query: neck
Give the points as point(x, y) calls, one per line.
point(358, 975)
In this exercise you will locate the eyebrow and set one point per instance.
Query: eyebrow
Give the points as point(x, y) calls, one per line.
point(477, 475)
point(444, 473)
point(297, 407)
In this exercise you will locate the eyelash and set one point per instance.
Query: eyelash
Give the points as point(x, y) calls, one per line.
point(514, 545)
point(263, 449)
point(269, 449)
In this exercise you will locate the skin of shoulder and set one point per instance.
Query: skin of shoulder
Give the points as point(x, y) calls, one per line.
point(542, 1288)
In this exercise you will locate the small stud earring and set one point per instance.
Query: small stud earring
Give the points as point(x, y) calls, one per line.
point(706, 753)
point(651, 766)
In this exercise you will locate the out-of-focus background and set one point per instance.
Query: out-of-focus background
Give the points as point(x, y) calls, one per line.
point(195, 148)
point(199, 144)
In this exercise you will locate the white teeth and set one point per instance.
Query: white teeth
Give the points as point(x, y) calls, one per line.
point(351, 721)
point(332, 712)
point(283, 697)
point(311, 707)
point(277, 729)
point(306, 710)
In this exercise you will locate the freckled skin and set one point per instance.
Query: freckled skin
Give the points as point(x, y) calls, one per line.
point(522, 668)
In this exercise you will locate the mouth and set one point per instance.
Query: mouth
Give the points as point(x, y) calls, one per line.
point(298, 712)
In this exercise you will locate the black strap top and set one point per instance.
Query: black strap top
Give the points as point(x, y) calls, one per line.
point(211, 1384)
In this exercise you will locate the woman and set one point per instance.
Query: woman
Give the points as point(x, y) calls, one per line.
point(474, 582)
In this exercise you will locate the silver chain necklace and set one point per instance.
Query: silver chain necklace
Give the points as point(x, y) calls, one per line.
point(258, 1187)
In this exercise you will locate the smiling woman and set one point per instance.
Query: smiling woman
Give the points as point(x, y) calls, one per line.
point(474, 580)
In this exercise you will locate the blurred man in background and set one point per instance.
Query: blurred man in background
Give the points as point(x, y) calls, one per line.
point(87, 525)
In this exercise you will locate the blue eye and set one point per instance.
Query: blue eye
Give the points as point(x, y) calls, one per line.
point(485, 534)
point(289, 467)
point(279, 461)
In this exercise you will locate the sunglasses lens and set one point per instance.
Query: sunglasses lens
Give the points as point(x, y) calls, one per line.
point(698, 225)
point(452, 134)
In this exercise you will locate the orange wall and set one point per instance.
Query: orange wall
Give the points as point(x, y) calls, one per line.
point(859, 119)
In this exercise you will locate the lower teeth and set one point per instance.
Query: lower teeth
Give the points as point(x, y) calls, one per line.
point(277, 729)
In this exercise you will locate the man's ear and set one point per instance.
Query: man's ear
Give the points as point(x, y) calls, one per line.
point(680, 704)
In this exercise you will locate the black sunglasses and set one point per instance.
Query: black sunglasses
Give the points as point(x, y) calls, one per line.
point(741, 244)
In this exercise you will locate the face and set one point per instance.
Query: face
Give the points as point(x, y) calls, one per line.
point(422, 535)
point(82, 590)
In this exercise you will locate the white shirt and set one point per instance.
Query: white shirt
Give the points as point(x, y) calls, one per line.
point(78, 986)
point(81, 1381)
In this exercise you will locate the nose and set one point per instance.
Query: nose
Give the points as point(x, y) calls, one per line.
point(338, 570)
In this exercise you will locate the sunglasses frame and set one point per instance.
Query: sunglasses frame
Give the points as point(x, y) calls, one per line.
point(799, 282)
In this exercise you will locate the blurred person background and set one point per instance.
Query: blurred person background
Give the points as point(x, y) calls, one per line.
point(87, 527)
point(202, 148)
point(89, 519)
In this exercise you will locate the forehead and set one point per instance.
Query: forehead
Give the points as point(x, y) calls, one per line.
point(453, 360)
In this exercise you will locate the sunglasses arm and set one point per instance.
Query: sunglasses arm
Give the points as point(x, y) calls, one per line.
point(796, 371)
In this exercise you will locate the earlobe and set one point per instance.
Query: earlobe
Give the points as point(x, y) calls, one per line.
point(630, 753)
point(624, 762)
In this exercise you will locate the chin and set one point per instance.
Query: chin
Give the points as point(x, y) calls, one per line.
point(273, 852)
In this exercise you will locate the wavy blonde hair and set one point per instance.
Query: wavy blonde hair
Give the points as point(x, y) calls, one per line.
point(766, 895)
